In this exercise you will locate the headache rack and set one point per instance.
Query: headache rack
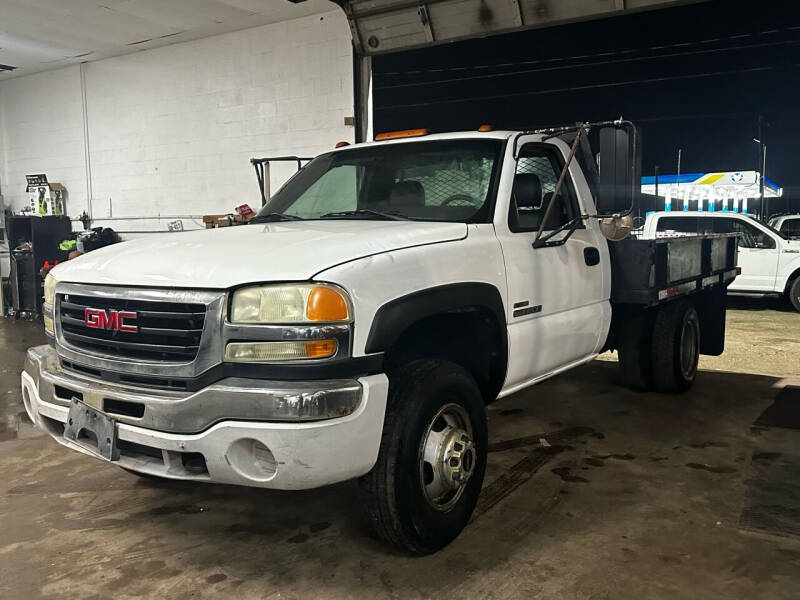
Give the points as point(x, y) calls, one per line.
point(261, 165)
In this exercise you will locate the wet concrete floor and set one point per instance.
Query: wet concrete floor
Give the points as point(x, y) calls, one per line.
point(638, 495)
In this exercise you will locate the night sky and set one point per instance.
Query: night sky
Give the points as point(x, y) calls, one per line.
point(704, 78)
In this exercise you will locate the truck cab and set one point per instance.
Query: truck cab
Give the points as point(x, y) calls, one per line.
point(362, 321)
point(788, 225)
point(769, 260)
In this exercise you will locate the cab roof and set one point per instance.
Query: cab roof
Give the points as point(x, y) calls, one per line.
point(432, 137)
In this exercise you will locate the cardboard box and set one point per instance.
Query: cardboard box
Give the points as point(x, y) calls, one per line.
point(46, 198)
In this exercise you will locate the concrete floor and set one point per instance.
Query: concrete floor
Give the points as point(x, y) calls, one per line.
point(638, 496)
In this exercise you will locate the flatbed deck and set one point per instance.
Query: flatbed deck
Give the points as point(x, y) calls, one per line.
point(649, 271)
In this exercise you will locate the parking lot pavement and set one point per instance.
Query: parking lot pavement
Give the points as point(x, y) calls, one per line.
point(763, 336)
point(592, 491)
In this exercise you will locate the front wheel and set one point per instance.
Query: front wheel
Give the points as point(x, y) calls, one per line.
point(794, 294)
point(424, 486)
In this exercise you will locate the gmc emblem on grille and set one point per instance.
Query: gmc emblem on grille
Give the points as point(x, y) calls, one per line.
point(97, 318)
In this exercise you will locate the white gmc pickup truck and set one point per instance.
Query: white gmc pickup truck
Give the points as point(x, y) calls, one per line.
point(360, 324)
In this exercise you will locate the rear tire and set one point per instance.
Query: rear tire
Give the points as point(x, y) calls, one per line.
point(676, 347)
point(794, 294)
point(635, 352)
point(424, 486)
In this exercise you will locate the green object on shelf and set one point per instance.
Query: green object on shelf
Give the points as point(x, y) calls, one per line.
point(68, 245)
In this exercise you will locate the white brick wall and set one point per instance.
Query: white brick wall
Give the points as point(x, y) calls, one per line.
point(41, 126)
point(171, 130)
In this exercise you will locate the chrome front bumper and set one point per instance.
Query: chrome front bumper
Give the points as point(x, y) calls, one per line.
point(229, 423)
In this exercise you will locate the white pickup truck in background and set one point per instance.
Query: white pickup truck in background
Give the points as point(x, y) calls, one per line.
point(769, 260)
point(362, 321)
point(788, 225)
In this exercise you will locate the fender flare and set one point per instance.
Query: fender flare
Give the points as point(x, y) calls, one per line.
point(397, 315)
point(790, 279)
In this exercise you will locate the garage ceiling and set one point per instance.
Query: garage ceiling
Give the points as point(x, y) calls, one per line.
point(380, 26)
point(38, 35)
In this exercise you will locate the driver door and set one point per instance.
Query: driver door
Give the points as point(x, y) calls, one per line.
point(557, 296)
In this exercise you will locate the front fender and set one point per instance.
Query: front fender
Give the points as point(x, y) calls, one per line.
point(790, 270)
point(394, 317)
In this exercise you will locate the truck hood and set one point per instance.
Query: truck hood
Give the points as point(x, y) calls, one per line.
point(230, 256)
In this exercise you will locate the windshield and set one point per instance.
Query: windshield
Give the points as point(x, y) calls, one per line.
point(447, 180)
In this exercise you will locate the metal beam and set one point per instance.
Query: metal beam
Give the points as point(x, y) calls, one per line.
point(383, 26)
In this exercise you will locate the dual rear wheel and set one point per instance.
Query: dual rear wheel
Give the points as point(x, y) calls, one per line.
point(660, 349)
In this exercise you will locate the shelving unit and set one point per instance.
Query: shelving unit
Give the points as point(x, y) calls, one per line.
point(44, 234)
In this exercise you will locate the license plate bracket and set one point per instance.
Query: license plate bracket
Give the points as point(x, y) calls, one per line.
point(92, 430)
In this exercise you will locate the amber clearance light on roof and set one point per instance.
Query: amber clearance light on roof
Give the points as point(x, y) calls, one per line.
point(405, 133)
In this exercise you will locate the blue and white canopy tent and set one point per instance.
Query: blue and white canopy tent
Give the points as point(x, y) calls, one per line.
point(735, 191)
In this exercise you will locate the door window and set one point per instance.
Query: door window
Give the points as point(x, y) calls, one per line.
point(705, 225)
point(791, 227)
point(750, 236)
point(678, 224)
point(535, 180)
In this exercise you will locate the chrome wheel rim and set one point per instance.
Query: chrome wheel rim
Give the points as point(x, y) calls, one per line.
point(447, 457)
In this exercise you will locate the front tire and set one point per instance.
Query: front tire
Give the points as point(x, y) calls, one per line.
point(676, 347)
point(424, 486)
point(794, 294)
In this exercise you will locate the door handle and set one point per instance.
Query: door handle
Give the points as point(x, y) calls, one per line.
point(591, 256)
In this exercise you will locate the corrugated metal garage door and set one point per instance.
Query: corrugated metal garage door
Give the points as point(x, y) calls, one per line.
point(695, 77)
point(381, 26)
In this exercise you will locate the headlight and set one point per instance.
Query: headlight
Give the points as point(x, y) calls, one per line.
point(299, 303)
point(49, 300)
point(49, 289)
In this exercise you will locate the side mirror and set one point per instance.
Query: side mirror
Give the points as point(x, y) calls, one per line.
point(620, 169)
point(616, 227)
point(762, 243)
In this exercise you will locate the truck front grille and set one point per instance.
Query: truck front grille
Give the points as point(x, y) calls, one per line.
point(166, 331)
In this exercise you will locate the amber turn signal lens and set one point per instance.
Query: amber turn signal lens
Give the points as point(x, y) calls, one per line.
point(326, 304)
point(320, 348)
point(266, 352)
point(393, 135)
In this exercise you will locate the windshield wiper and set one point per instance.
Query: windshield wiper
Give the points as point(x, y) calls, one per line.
point(365, 213)
point(274, 216)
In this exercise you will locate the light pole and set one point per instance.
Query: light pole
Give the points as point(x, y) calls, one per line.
point(657, 170)
point(762, 172)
